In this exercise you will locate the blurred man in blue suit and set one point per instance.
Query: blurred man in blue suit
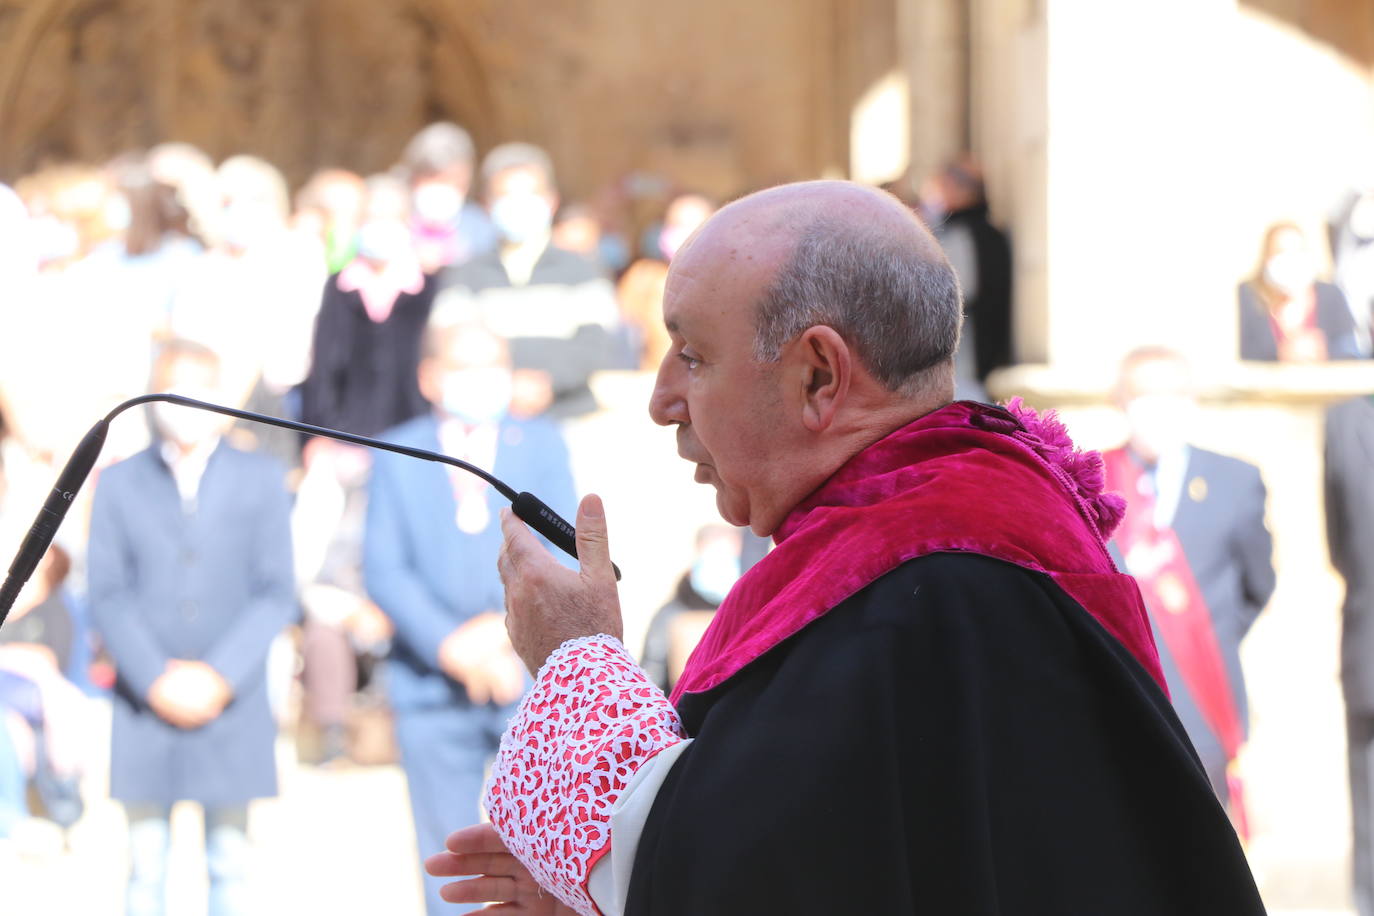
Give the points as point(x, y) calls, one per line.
point(1194, 538)
point(190, 578)
point(433, 535)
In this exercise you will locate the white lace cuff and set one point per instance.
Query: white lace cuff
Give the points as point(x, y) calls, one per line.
point(592, 719)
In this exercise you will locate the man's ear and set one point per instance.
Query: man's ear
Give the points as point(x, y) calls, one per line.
point(826, 371)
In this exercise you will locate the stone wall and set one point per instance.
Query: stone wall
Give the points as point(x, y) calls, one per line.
point(721, 95)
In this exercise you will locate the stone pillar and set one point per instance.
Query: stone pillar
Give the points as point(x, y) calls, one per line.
point(932, 48)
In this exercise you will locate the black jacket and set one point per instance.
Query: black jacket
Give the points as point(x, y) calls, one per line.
point(958, 737)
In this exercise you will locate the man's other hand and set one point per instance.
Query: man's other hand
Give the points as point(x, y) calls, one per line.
point(497, 876)
point(547, 603)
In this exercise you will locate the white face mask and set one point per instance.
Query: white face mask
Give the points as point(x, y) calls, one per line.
point(1160, 423)
point(187, 426)
point(437, 204)
point(1291, 271)
point(522, 217)
point(477, 396)
point(383, 241)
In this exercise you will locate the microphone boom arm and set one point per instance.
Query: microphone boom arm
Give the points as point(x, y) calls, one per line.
point(526, 506)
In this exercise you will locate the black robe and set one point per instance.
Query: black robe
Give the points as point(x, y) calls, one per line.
point(960, 737)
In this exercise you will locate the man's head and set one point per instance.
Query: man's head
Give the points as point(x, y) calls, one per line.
point(1155, 391)
point(807, 322)
point(520, 191)
point(465, 369)
point(192, 370)
point(438, 166)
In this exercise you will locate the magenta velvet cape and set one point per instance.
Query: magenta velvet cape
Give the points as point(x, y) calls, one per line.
point(1006, 484)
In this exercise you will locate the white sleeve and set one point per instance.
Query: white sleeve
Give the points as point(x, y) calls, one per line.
point(609, 882)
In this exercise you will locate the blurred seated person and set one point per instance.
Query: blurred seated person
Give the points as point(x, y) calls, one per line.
point(432, 537)
point(640, 290)
point(366, 347)
point(556, 308)
point(1286, 314)
point(677, 627)
point(449, 228)
point(45, 718)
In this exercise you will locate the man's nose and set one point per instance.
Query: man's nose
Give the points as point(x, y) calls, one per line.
point(667, 405)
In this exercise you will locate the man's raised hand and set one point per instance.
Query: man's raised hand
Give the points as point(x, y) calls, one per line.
point(547, 603)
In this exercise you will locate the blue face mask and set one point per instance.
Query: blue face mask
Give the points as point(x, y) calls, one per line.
point(522, 217)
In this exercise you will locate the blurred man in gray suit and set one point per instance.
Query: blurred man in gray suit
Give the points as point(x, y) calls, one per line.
point(1195, 540)
point(1350, 536)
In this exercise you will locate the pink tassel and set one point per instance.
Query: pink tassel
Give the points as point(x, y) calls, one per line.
point(1050, 438)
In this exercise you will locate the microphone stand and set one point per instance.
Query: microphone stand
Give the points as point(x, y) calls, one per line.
point(526, 506)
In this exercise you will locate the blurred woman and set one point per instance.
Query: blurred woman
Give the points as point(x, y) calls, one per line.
point(366, 349)
point(1286, 313)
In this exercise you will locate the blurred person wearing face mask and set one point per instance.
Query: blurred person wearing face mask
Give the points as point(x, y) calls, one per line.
point(555, 307)
point(253, 297)
point(1287, 314)
point(1195, 540)
point(677, 627)
point(953, 204)
point(1352, 248)
point(191, 171)
point(640, 291)
point(328, 210)
point(73, 212)
point(366, 345)
point(432, 537)
point(190, 580)
point(449, 228)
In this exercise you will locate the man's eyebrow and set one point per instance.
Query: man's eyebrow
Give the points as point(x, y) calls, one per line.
point(672, 325)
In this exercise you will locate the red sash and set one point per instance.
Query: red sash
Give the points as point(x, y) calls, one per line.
point(1156, 559)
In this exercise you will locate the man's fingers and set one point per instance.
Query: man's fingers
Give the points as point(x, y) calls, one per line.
point(452, 865)
point(593, 549)
point(474, 839)
point(493, 888)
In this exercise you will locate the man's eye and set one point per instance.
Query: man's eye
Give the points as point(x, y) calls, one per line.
point(691, 361)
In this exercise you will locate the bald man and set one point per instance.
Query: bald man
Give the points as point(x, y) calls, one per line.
point(935, 695)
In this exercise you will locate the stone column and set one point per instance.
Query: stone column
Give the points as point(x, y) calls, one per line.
point(932, 47)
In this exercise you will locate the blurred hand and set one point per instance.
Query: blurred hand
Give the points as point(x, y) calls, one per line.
point(466, 654)
point(368, 625)
point(498, 877)
point(505, 676)
point(531, 392)
point(189, 694)
point(547, 603)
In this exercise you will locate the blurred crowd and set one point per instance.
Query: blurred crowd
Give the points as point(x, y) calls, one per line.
point(454, 303)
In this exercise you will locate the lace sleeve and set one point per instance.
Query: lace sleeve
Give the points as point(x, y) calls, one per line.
point(591, 721)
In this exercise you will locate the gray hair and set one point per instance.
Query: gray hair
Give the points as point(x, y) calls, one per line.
point(898, 306)
point(435, 149)
point(509, 156)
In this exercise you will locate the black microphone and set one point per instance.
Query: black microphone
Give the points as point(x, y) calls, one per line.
point(527, 507)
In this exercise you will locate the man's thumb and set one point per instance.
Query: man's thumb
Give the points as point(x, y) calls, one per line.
point(593, 550)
